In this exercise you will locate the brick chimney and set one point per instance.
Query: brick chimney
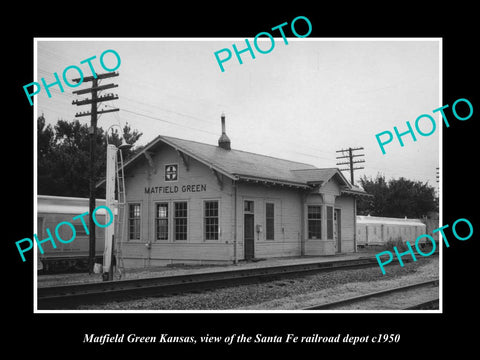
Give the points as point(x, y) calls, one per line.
point(224, 141)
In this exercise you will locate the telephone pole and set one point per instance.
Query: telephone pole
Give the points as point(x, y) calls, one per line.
point(94, 112)
point(350, 162)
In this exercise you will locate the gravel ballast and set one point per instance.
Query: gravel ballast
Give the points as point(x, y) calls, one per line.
point(289, 293)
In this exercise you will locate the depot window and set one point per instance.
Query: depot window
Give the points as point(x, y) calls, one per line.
point(134, 221)
point(211, 220)
point(80, 230)
point(161, 221)
point(314, 222)
point(270, 221)
point(329, 222)
point(180, 220)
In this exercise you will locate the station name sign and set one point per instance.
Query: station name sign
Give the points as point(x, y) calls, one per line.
point(172, 189)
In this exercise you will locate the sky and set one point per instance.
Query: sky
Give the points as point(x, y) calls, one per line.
point(302, 101)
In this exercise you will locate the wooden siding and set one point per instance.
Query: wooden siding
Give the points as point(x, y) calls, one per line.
point(319, 247)
point(289, 207)
point(287, 215)
point(195, 247)
point(346, 205)
point(330, 191)
point(325, 246)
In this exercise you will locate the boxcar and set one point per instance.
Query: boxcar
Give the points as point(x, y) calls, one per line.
point(373, 230)
point(73, 256)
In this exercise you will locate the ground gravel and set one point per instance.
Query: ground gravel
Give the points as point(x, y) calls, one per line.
point(340, 290)
point(287, 294)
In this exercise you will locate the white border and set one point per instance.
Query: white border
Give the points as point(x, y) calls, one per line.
point(35, 113)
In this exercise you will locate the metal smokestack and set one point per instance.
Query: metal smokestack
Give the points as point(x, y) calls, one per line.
point(224, 141)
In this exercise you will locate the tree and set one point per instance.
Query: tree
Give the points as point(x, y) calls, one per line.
point(397, 198)
point(45, 156)
point(64, 156)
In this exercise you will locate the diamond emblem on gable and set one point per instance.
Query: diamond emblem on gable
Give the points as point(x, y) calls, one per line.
point(171, 172)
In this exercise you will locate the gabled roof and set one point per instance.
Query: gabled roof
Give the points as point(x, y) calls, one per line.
point(318, 176)
point(240, 163)
point(243, 165)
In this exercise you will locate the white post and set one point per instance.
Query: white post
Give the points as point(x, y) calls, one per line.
point(110, 203)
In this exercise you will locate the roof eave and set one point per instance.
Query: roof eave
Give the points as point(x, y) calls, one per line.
point(340, 175)
point(355, 192)
point(281, 182)
point(199, 159)
point(159, 138)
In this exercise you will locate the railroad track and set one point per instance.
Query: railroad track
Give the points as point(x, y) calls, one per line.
point(361, 298)
point(425, 305)
point(70, 296)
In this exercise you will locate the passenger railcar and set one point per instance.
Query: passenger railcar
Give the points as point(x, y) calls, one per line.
point(73, 256)
point(373, 230)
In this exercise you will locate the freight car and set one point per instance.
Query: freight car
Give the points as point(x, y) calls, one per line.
point(73, 256)
point(373, 230)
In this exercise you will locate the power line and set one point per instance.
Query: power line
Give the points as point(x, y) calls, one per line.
point(350, 162)
point(166, 121)
point(168, 110)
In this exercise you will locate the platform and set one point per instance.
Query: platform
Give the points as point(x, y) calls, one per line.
point(179, 269)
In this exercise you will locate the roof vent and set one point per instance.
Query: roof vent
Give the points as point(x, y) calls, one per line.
point(224, 141)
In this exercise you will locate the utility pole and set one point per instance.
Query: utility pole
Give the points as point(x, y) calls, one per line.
point(350, 162)
point(94, 112)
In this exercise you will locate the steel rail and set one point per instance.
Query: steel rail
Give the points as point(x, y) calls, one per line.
point(358, 298)
point(423, 305)
point(72, 295)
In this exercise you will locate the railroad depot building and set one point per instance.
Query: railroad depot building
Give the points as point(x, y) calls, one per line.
point(190, 202)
